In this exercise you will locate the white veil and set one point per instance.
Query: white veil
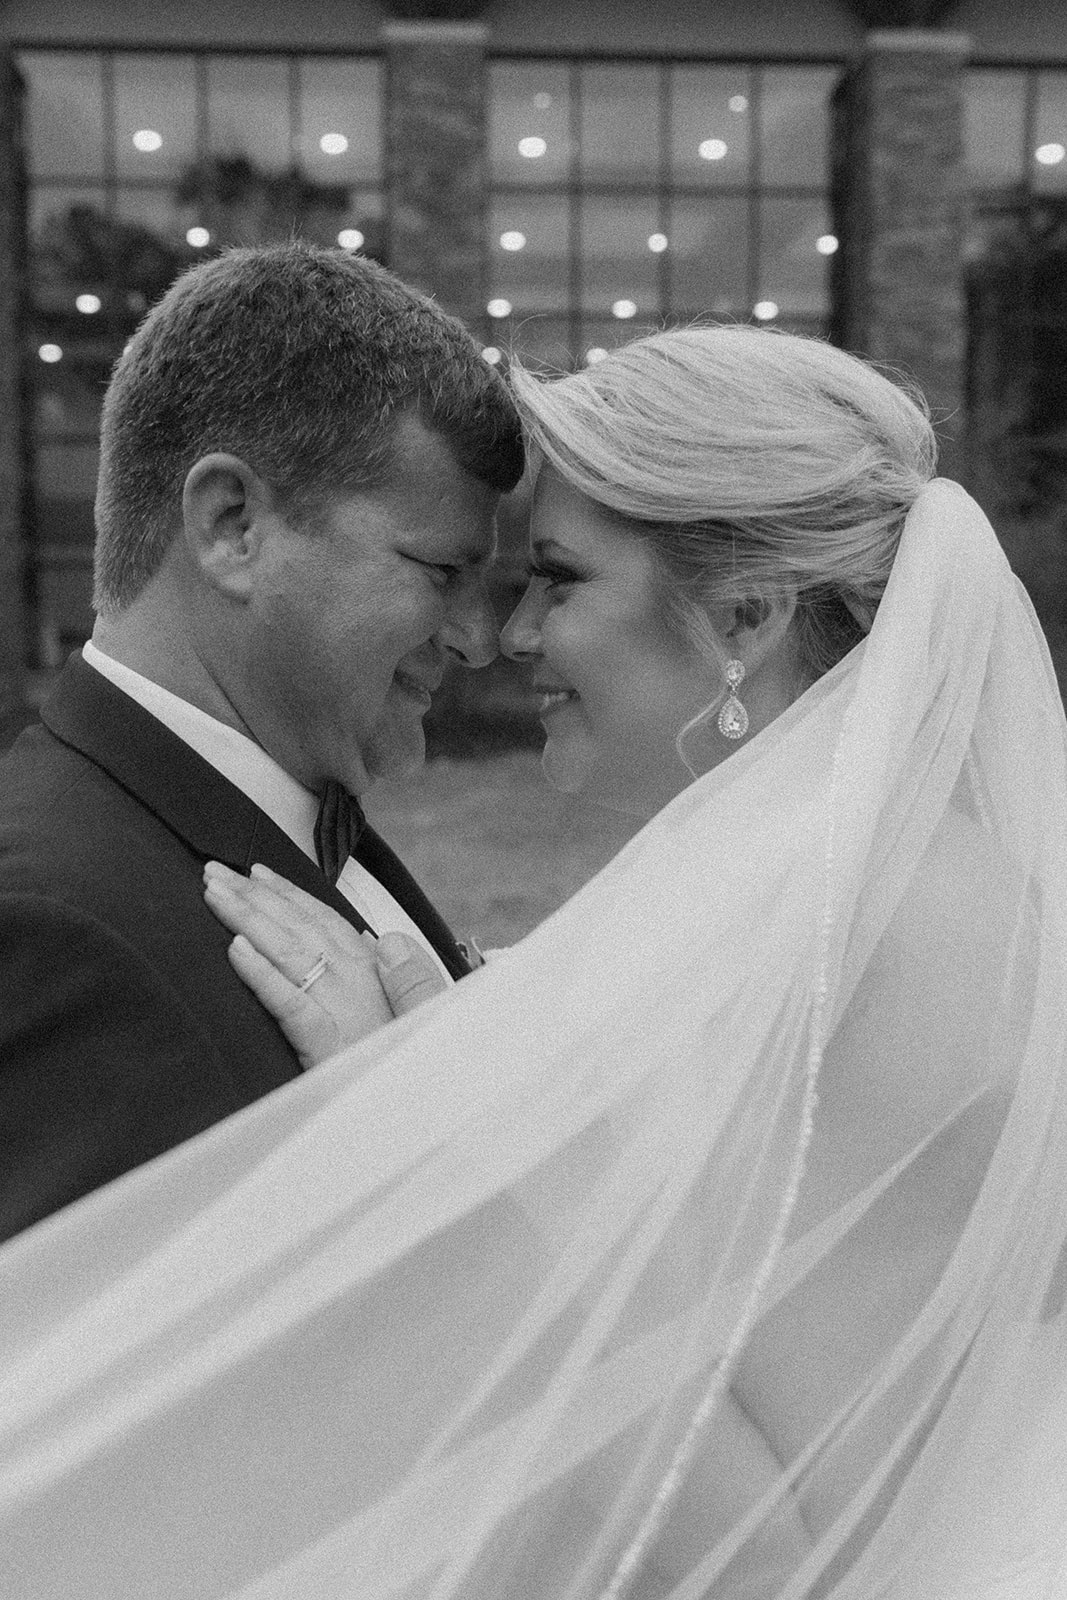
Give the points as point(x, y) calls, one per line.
point(710, 1243)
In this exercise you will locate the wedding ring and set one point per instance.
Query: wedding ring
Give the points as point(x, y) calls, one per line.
point(314, 973)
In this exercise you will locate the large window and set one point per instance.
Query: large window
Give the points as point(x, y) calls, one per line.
point(139, 164)
point(1016, 128)
point(1017, 290)
point(626, 195)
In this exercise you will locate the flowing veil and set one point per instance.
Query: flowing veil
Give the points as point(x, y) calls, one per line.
point(769, 1122)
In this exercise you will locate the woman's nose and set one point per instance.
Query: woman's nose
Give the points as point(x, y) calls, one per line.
point(520, 637)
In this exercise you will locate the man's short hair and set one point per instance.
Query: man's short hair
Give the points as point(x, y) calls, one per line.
point(299, 360)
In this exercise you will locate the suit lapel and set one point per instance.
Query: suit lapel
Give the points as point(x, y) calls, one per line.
point(374, 854)
point(189, 797)
point(209, 813)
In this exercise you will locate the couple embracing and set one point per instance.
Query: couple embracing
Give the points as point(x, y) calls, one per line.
point(708, 1243)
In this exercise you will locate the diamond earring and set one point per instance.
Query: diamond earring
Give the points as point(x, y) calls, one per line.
point(733, 718)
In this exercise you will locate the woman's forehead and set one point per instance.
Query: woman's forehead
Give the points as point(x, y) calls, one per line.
point(564, 516)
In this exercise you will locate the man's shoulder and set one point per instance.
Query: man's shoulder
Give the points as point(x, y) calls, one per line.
point(71, 832)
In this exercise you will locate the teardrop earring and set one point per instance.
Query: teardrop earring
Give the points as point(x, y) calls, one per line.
point(733, 718)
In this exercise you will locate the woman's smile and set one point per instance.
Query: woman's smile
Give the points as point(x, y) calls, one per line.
point(553, 699)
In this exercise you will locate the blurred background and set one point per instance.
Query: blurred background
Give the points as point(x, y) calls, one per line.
point(891, 174)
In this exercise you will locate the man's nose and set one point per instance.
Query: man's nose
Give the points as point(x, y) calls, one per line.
point(520, 637)
point(470, 632)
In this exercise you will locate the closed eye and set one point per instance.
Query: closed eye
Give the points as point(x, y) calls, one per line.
point(553, 577)
point(441, 572)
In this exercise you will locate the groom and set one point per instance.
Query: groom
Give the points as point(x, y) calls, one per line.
point(300, 464)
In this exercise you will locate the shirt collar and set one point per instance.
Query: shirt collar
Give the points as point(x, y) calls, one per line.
point(246, 764)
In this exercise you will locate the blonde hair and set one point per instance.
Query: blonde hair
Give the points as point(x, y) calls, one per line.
point(756, 463)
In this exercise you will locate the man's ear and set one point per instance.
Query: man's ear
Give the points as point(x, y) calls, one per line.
point(224, 509)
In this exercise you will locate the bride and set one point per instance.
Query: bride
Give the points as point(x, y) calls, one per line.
point(709, 1243)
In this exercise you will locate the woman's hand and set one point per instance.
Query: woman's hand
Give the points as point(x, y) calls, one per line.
point(284, 937)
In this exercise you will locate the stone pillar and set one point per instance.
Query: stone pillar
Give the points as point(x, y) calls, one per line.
point(435, 162)
point(14, 407)
point(900, 198)
point(436, 189)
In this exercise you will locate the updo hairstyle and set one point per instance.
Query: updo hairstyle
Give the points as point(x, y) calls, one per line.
point(757, 464)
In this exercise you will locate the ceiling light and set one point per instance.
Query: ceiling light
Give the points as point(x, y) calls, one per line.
point(88, 303)
point(333, 144)
point(532, 147)
point(624, 310)
point(351, 239)
point(147, 139)
point(512, 240)
point(711, 149)
point(499, 308)
point(198, 238)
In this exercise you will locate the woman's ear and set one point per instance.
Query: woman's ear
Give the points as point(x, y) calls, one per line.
point(224, 509)
point(757, 626)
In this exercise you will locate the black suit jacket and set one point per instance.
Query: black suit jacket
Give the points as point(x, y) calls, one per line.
point(123, 1029)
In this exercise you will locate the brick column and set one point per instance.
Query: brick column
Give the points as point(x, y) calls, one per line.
point(436, 186)
point(14, 406)
point(900, 197)
point(436, 168)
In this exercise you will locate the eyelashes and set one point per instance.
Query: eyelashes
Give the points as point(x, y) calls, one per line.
point(441, 574)
point(555, 577)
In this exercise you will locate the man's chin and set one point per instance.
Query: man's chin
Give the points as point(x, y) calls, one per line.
point(399, 754)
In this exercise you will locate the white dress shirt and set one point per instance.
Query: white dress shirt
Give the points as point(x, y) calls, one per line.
point(275, 791)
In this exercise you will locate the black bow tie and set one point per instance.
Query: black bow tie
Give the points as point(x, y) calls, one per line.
point(337, 828)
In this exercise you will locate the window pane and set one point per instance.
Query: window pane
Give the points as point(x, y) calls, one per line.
point(147, 247)
point(995, 115)
point(1050, 167)
point(543, 342)
point(617, 266)
point(234, 201)
point(68, 393)
point(529, 102)
point(154, 95)
point(537, 276)
point(606, 333)
point(155, 211)
point(792, 273)
point(711, 116)
point(794, 106)
point(52, 214)
point(339, 96)
point(65, 113)
point(82, 248)
point(620, 123)
point(365, 215)
point(708, 256)
point(248, 110)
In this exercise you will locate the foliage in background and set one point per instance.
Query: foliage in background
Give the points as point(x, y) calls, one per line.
point(1017, 395)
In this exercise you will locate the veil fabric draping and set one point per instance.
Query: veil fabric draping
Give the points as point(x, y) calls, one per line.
point(707, 1244)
